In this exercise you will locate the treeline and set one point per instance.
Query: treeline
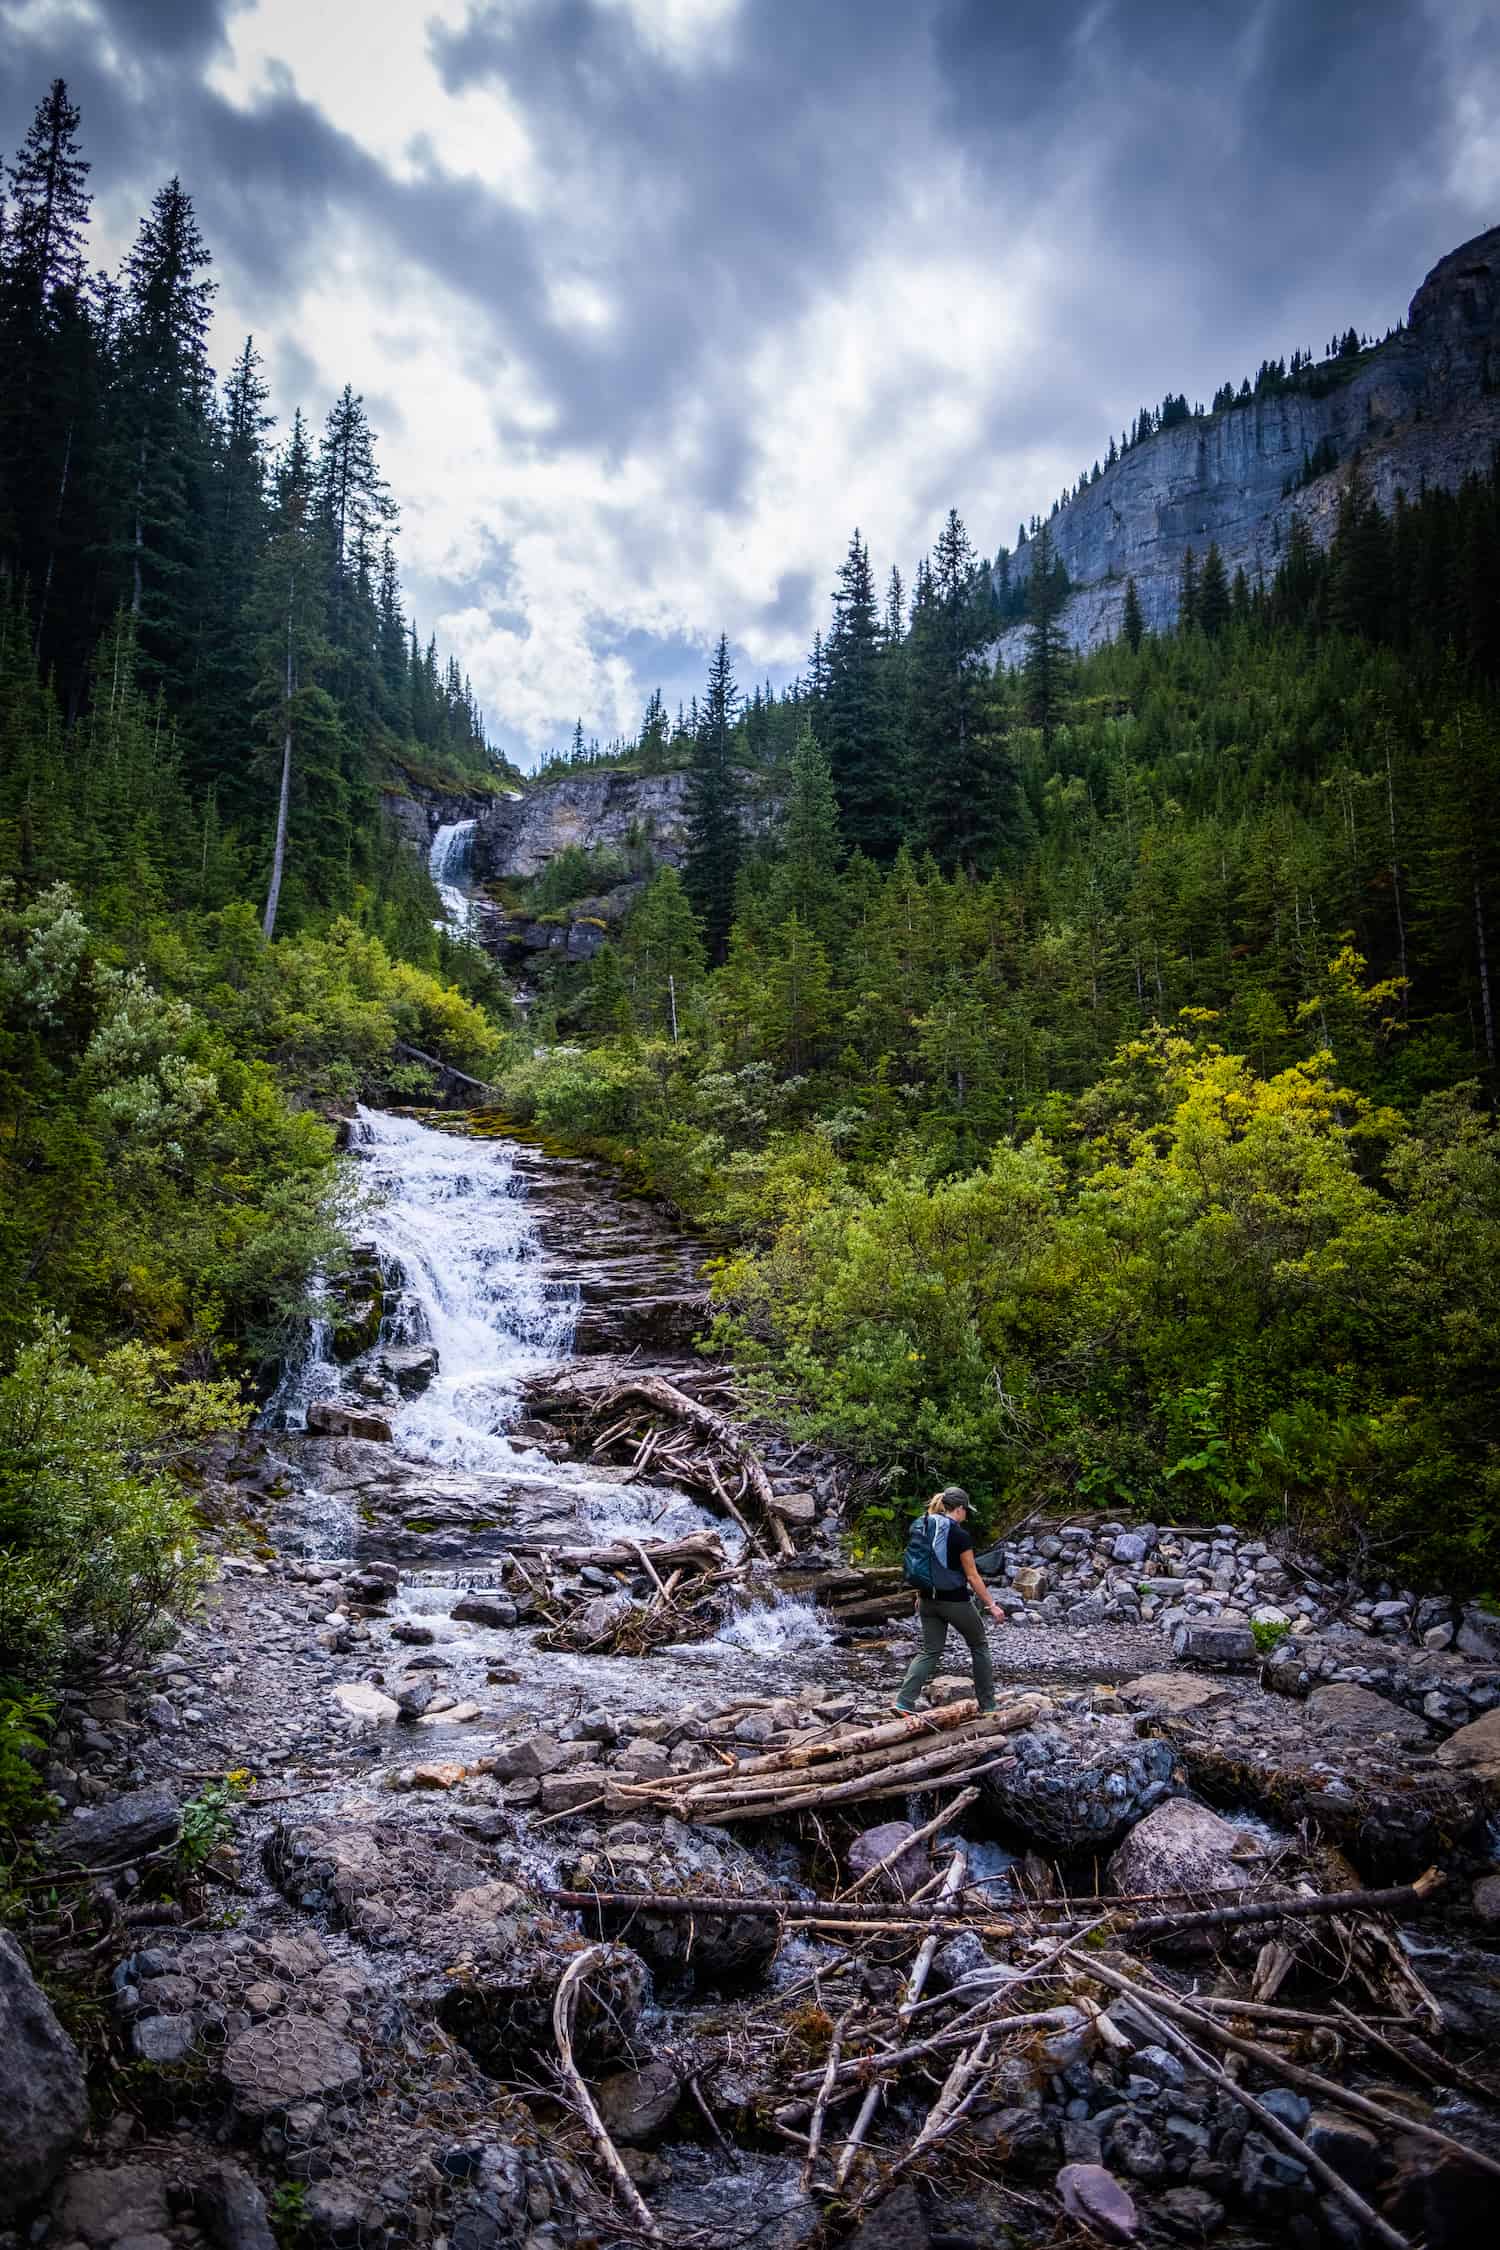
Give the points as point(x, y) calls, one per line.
point(258, 587)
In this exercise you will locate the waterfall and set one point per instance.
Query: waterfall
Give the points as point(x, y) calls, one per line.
point(456, 1237)
point(448, 865)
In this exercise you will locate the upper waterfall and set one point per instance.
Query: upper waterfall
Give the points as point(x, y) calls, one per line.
point(448, 865)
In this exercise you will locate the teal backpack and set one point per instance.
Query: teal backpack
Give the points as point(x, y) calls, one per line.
point(918, 1560)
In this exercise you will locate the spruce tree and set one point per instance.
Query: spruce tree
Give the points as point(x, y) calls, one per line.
point(852, 726)
point(1187, 592)
point(1045, 669)
point(1132, 623)
point(714, 841)
point(963, 784)
point(1213, 594)
point(807, 882)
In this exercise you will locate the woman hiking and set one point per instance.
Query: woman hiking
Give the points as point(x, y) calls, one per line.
point(940, 1549)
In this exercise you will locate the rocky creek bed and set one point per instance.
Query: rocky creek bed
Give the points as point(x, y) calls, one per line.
point(579, 1886)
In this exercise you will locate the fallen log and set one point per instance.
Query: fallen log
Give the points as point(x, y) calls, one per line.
point(827, 1748)
point(1406, 1898)
point(699, 1548)
point(564, 2008)
point(667, 1399)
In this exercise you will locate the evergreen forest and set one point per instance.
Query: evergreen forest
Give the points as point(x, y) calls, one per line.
point(1084, 1068)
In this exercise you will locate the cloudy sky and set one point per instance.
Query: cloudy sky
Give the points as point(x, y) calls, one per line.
point(651, 301)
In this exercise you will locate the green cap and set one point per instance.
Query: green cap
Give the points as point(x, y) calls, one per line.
point(954, 1496)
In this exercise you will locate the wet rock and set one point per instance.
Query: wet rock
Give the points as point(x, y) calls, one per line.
point(1137, 2148)
point(43, 2106)
point(496, 1610)
point(962, 1956)
point(162, 2040)
point(124, 1829)
point(635, 2104)
point(411, 1367)
point(273, 2066)
point(530, 1758)
point(412, 1699)
point(1173, 1692)
point(872, 1845)
point(1078, 1793)
point(327, 1417)
point(1095, 2196)
point(1270, 2179)
point(1485, 1900)
point(566, 1792)
point(1181, 1846)
point(1023, 2138)
point(1479, 1634)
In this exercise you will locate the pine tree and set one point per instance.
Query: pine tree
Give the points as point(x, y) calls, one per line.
point(1187, 592)
point(662, 955)
point(863, 760)
point(963, 783)
point(714, 842)
point(1045, 670)
point(1132, 623)
point(807, 883)
point(607, 1007)
point(652, 746)
point(1212, 606)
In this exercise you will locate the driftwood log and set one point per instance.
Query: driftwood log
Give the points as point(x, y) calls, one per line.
point(564, 2008)
point(666, 1399)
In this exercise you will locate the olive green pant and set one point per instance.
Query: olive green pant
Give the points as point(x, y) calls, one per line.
point(965, 1619)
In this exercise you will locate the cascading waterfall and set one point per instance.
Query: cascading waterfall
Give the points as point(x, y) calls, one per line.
point(448, 865)
point(452, 1228)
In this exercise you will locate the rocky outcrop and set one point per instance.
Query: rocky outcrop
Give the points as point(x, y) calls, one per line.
point(597, 811)
point(1420, 409)
point(43, 2105)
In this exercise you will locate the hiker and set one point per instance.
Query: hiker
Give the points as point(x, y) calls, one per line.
point(939, 1562)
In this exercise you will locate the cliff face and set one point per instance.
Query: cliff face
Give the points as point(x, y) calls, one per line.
point(1421, 409)
point(595, 811)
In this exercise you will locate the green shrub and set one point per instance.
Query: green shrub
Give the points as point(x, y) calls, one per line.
point(96, 1525)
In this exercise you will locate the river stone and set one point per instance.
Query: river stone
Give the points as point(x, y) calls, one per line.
point(43, 2107)
point(365, 1704)
point(327, 1417)
point(125, 1828)
point(411, 1367)
point(725, 1950)
point(234, 2209)
point(1485, 1900)
point(1181, 1846)
point(1475, 1750)
point(1174, 1692)
point(635, 2104)
point(898, 2222)
point(292, 2059)
point(530, 1759)
point(484, 1609)
point(1358, 1716)
point(1223, 1648)
point(1479, 1634)
point(873, 1845)
point(1094, 2195)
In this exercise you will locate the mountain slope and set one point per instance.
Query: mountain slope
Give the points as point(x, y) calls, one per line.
point(1421, 409)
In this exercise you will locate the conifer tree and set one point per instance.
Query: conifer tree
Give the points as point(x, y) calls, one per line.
point(1132, 623)
point(1187, 592)
point(1045, 671)
point(863, 760)
point(714, 842)
point(807, 882)
point(1212, 607)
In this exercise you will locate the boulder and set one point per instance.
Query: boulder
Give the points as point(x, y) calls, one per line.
point(725, 1951)
point(1181, 1846)
point(112, 1834)
point(126, 2204)
point(1355, 1714)
point(43, 2106)
point(484, 1609)
point(873, 1845)
point(1479, 1634)
point(1475, 1751)
point(529, 1759)
point(635, 2104)
point(329, 1417)
point(233, 2209)
point(898, 2222)
point(364, 1703)
point(410, 1367)
point(1222, 1648)
point(1067, 1793)
point(1173, 1691)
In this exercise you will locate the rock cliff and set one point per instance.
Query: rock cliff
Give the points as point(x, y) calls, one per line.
point(1420, 409)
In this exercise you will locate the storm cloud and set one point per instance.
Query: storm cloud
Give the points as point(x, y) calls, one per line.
point(653, 300)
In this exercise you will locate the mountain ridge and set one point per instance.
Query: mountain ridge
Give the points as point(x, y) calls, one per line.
point(1420, 409)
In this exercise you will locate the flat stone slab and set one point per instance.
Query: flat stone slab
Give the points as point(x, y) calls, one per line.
point(1359, 1715)
point(1475, 1749)
point(1173, 1691)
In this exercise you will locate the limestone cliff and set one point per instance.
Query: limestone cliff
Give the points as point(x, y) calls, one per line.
point(1420, 409)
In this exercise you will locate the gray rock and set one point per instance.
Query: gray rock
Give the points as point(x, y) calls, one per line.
point(1135, 1546)
point(162, 2039)
point(1352, 2149)
point(1351, 1711)
point(1219, 1648)
point(1479, 1634)
point(43, 2106)
point(898, 2222)
point(275, 2065)
point(1074, 1795)
point(1094, 2195)
point(99, 2205)
point(872, 1845)
point(530, 1759)
point(1180, 1846)
point(1270, 2179)
point(121, 1830)
point(485, 1609)
point(326, 1417)
point(233, 2209)
point(1192, 2214)
point(1292, 2108)
point(635, 2104)
point(411, 1367)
